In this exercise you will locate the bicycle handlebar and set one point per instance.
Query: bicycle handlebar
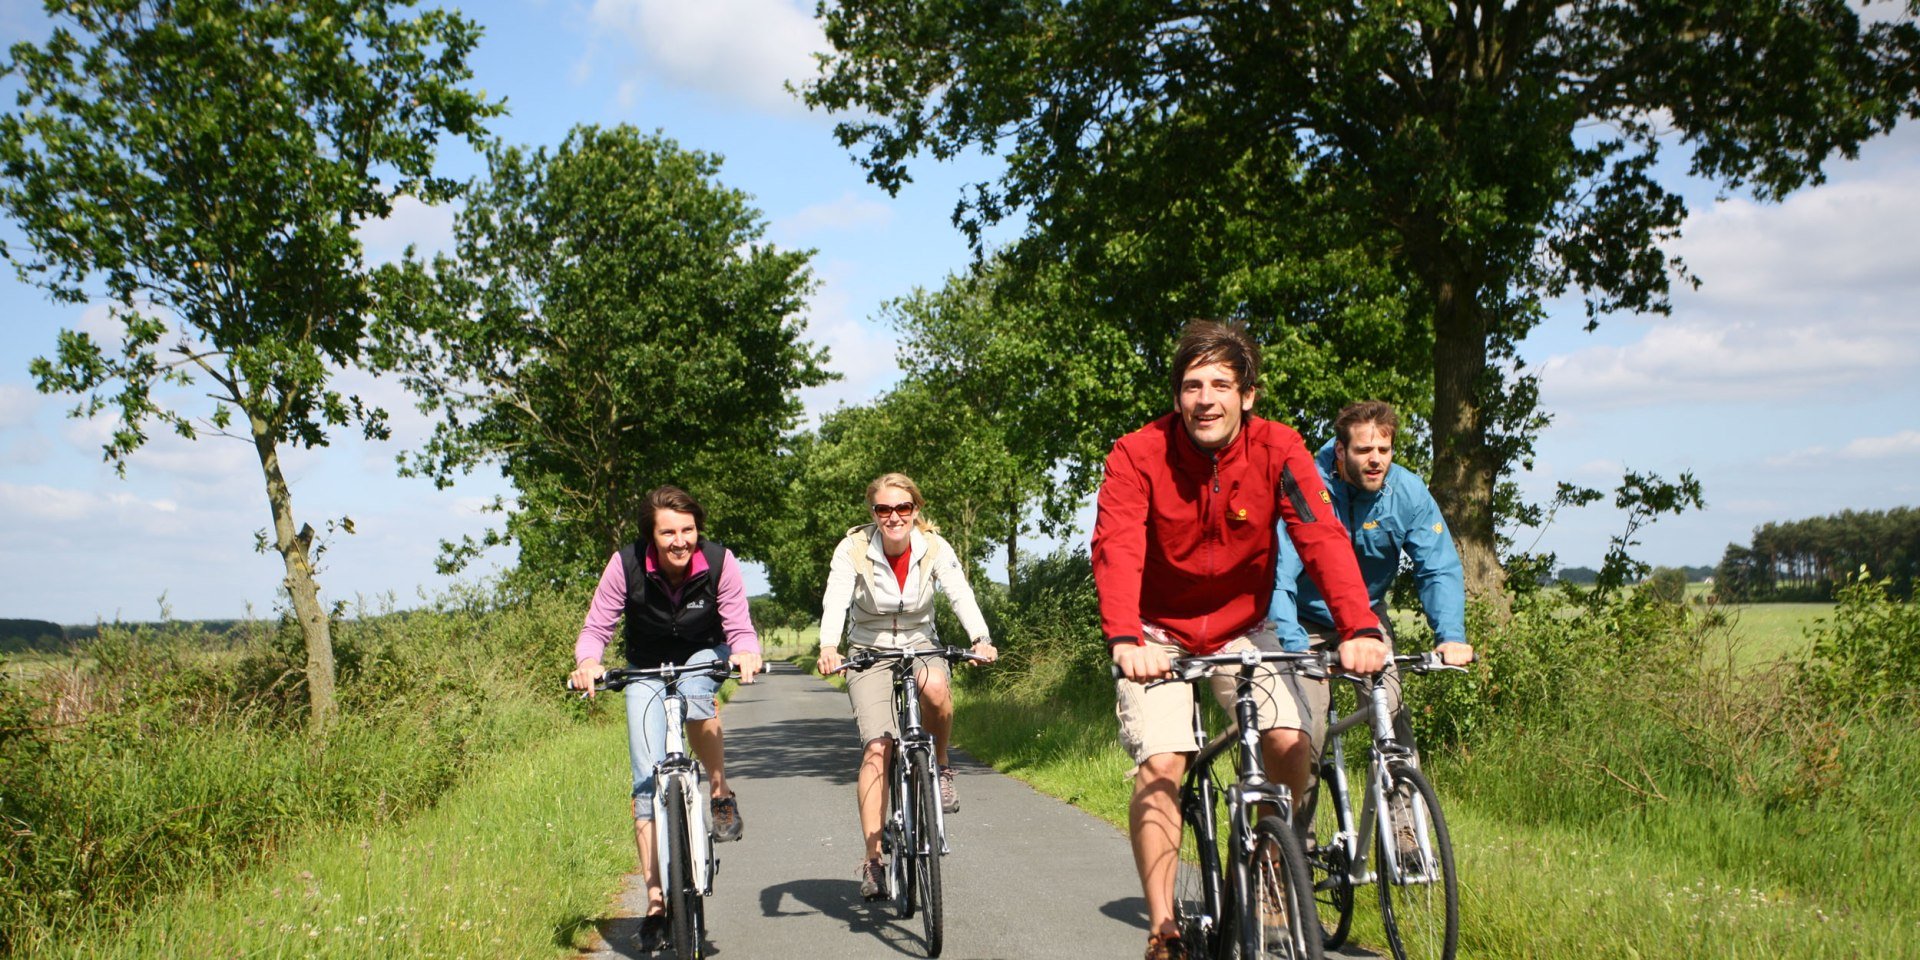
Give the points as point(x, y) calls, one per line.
point(614, 680)
point(868, 657)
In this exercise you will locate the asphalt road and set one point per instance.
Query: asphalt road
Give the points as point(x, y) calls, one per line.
point(1027, 878)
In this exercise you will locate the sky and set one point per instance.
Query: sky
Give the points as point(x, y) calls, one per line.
point(1788, 384)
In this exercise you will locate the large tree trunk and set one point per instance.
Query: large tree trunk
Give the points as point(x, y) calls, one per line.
point(295, 546)
point(1465, 467)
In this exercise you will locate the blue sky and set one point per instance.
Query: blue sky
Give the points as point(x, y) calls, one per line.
point(1789, 384)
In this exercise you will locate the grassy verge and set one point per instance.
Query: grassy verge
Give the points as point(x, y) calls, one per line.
point(1682, 878)
point(516, 862)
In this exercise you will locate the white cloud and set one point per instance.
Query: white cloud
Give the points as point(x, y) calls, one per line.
point(1905, 443)
point(743, 50)
point(1732, 362)
point(427, 227)
point(849, 212)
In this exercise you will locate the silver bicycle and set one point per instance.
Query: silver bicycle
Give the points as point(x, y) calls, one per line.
point(683, 839)
point(1399, 822)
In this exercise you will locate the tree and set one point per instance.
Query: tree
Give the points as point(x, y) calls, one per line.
point(611, 321)
point(1482, 156)
point(204, 165)
point(956, 456)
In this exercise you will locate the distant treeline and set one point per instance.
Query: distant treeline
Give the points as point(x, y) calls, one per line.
point(1806, 559)
point(45, 636)
point(1587, 576)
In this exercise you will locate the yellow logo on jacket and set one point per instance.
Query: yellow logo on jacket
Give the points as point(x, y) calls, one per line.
point(1326, 497)
point(1439, 527)
point(1370, 525)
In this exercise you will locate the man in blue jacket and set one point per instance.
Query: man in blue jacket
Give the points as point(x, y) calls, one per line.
point(1388, 512)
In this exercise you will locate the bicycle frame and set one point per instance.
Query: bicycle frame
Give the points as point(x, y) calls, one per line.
point(678, 766)
point(913, 738)
point(1384, 753)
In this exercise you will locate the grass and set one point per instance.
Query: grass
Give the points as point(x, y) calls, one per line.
point(516, 862)
point(1764, 633)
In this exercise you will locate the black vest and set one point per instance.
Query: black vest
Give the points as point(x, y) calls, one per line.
point(660, 631)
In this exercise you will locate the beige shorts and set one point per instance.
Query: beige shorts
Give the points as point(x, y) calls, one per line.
point(871, 691)
point(1327, 638)
point(1160, 720)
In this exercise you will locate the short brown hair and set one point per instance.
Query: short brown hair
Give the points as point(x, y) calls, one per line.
point(673, 498)
point(1377, 412)
point(1207, 341)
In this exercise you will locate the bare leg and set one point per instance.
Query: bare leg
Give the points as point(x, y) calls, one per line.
point(649, 866)
point(873, 792)
point(936, 711)
point(1288, 755)
point(1153, 820)
point(709, 744)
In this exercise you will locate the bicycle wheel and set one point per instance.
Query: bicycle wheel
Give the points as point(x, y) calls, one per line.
point(1197, 896)
point(683, 898)
point(926, 849)
point(1329, 863)
point(1420, 907)
point(1274, 918)
point(900, 860)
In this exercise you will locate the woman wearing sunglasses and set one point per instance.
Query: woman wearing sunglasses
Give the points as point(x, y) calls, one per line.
point(880, 590)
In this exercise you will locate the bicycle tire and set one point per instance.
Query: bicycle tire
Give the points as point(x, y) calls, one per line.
point(925, 848)
point(1329, 865)
point(683, 898)
point(1273, 916)
point(1421, 919)
point(899, 874)
point(1198, 898)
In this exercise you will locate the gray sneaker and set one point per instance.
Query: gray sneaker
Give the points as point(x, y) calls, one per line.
point(949, 797)
point(1406, 842)
point(726, 819)
point(873, 879)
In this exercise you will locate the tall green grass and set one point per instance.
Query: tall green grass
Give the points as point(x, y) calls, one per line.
point(149, 765)
point(514, 862)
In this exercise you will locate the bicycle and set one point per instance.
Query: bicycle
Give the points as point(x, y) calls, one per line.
point(914, 830)
point(683, 840)
point(1419, 895)
point(1251, 906)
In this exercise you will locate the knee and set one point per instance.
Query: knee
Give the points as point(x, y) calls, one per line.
point(935, 692)
point(1160, 771)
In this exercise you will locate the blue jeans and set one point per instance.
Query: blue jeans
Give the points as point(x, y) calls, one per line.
point(647, 723)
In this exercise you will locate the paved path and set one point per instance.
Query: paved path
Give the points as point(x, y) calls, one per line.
point(1028, 877)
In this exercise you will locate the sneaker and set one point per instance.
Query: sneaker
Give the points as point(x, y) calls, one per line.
point(949, 797)
point(873, 879)
point(726, 818)
point(1406, 842)
point(653, 933)
point(1166, 948)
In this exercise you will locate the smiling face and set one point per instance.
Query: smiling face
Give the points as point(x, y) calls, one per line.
point(1213, 404)
point(1363, 458)
point(893, 510)
point(675, 536)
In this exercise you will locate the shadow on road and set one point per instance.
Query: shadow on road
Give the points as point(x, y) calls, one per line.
point(818, 749)
point(840, 900)
point(1131, 911)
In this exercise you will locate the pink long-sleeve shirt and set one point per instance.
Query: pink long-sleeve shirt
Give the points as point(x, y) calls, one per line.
point(610, 603)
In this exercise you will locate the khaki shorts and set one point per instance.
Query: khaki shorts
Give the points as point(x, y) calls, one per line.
point(1160, 720)
point(1327, 638)
point(871, 691)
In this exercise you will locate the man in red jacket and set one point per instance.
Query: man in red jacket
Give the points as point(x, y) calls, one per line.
point(1183, 556)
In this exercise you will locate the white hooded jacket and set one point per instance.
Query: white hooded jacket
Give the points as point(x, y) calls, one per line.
point(860, 582)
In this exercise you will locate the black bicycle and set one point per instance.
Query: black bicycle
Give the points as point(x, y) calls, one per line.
point(914, 831)
point(1399, 818)
point(683, 839)
point(1252, 901)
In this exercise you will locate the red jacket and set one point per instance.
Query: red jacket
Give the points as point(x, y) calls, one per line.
point(1185, 538)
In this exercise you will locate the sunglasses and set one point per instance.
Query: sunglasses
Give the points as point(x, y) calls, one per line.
point(884, 510)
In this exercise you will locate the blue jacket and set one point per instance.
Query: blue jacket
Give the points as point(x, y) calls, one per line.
point(1402, 517)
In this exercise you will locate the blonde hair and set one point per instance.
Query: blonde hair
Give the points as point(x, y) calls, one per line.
point(903, 482)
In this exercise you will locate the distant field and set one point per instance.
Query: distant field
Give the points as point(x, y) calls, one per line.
point(1760, 633)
